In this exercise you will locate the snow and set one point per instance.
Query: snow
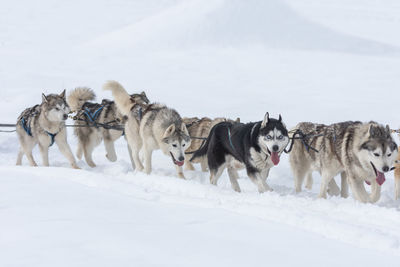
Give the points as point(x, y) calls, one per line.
point(309, 60)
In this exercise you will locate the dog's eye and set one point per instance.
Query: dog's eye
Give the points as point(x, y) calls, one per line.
point(174, 145)
point(57, 109)
point(389, 154)
point(268, 137)
point(280, 137)
point(376, 154)
point(184, 145)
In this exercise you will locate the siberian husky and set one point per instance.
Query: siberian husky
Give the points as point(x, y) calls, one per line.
point(44, 125)
point(257, 146)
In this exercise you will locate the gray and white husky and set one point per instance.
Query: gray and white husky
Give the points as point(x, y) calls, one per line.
point(257, 146)
point(92, 114)
point(151, 127)
point(44, 125)
point(360, 152)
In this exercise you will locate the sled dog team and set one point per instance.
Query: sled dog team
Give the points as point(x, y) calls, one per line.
point(360, 152)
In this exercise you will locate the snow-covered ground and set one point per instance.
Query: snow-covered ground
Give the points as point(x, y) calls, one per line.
point(309, 60)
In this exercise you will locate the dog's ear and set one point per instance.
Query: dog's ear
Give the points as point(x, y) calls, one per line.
point(143, 93)
point(237, 120)
point(132, 98)
point(388, 131)
point(44, 98)
point(371, 130)
point(265, 121)
point(63, 93)
point(184, 129)
point(169, 131)
point(280, 118)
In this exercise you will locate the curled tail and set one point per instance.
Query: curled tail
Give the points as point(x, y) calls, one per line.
point(79, 96)
point(202, 151)
point(121, 97)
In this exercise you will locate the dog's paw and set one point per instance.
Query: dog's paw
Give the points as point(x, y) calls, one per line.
point(111, 158)
point(91, 164)
point(76, 167)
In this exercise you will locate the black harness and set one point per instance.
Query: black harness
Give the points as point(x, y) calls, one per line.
point(26, 125)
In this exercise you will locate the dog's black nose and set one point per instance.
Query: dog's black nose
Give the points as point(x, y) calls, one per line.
point(275, 148)
point(385, 169)
point(181, 158)
point(65, 116)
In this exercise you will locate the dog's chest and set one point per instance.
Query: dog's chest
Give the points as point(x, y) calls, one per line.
point(259, 159)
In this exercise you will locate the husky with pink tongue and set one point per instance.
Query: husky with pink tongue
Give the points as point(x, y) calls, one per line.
point(150, 127)
point(360, 152)
point(256, 146)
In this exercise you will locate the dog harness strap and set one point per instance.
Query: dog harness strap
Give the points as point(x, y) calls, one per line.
point(252, 130)
point(93, 116)
point(26, 127)
point(52, 136)
point(230, 139)
point(140, 111)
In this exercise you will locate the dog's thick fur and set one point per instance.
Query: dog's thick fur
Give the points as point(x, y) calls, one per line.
point(397, 176)
point(257, 146)
point(89, 137)
point(156, 127)
point(200, 128)
point(358, 151)
point(43, 124)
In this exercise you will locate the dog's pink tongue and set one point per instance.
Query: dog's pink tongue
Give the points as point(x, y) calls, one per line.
point(179, 163)
point(380, 178)
point(275, 158)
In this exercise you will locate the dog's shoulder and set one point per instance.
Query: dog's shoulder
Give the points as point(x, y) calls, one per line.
point(30, 112)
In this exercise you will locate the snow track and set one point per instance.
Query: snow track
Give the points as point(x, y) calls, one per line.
point(363, 225)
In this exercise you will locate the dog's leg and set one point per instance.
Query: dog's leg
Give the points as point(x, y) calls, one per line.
point(29, 156)
point(256, 179)
point(204, 165)
point(358, 189)
point(215, 174)
point(397, 179)
point(309, 181)
point(179, 171)
point(344, 191)
point(264, 175)
point(130, 156)
point(134, 146)
point(375, 192)
point(188, 165)
point(79, 151)
point(147, 159)
point(333, 188)
point(326, 179)
point(233, 176)
point(109, 145)
point(19, 157)
point(44, 151)
point(87, 152)
point(61, 141)
point(299, 173)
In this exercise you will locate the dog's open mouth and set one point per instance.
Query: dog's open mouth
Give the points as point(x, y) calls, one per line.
point(176, 162)
point(380, 176)
point(274, 157)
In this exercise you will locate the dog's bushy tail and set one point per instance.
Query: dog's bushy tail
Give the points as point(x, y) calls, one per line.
point(121, 97)
point(202, 151)
point(79, 96)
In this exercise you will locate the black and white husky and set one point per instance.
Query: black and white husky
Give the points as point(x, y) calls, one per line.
point(257, 145)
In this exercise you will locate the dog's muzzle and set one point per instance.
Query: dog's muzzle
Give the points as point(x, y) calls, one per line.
point(179, 162)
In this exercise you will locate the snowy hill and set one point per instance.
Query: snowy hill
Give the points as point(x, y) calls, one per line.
point(309, 60)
